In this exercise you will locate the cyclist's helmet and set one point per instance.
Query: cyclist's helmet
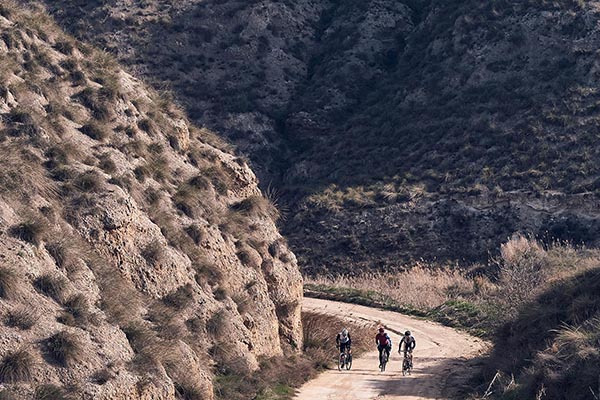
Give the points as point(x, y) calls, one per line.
point(381, 329)
point(407, 333)
point(344, 332)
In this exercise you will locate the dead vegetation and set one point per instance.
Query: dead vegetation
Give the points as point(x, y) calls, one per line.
point(17, 366)
point(64, 349)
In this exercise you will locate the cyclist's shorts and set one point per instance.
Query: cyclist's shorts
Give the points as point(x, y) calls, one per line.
point(344, 346)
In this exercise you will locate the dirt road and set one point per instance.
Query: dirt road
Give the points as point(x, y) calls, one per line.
point(443, 360)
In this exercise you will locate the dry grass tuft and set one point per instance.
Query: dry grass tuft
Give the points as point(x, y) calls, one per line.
point(30, 231)
point(54, 286)
point(9, 283)
point(64, 349)
point(180, 298)
point(154, 253)
point(256, 205)
point(17, 366)
point(22, 317)
point(51, 392)
point(78, 307)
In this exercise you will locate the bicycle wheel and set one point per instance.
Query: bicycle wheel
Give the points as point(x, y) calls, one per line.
point(405, 366)
point(383, 361)
point(349, 362)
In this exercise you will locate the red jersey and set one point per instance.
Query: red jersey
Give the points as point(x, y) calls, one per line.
point(382, 339)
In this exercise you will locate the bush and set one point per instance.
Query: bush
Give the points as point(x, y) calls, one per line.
point(180, 298)
point(215, 325)
point(256, 205)
point(9, 283)
point(154, 252)
point(78, 307)
point(89, 181)
point(95, 131)
point(30, 231)
point(64, 349)
point(17, 366)
point(51, 392)
point(53, 286)
point(22, 317)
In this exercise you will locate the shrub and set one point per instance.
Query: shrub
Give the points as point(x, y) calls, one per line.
point(154, 252)
point(17, 366)
point(78, 307)
point(54, 286)
point(65, 47)
point(89, 181)
point(195, 233)
point(64, 349)
point(215, 325)
point(140, 336)
point(107, 164)
point(102, 376)
point(51, 392)
point(89, 98)
point(95, 131)
point(30, 231)
point(256, 205)
point(180, 298)
point(22, 317)
point(58, 252)
point(9, 283)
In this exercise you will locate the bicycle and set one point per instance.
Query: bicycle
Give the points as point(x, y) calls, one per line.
point(407, 363)
point(345, 360)
point(384, 357)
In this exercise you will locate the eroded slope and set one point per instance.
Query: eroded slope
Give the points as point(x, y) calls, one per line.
point(137, 254)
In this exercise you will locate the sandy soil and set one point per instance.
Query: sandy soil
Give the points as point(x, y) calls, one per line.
point(443, 360)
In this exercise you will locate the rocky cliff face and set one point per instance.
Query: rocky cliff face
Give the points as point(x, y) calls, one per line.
point(138, 254)
point(384, 112)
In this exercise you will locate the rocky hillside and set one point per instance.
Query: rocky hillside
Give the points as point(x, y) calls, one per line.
point(138, 256)
point(394, 130)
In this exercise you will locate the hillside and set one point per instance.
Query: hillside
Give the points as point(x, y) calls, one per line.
point(393, 131)
point(138, 256)
point(552, 347)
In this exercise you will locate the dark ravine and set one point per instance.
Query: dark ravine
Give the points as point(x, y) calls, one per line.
point(389, 101)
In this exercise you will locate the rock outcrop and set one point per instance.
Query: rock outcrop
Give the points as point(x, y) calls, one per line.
point(138, 254)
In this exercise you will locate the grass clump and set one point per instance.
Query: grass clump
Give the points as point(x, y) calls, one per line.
point(77, 311)
point(30, 231)
point(9, 283)
point(95, 131)
point(51, 392)
point(22, 317)
point(180, 298)
point(17, 366)
point(64, 349)
point(54, 286)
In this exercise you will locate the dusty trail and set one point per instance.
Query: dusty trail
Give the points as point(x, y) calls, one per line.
point(443, 360)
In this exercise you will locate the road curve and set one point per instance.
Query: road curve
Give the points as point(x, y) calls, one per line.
point(443, 360)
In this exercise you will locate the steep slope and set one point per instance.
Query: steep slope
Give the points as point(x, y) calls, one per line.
point(552, 347)
point(414, 125)
point(138, 255)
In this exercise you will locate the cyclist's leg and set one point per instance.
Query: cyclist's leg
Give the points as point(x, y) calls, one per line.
point(380, 349)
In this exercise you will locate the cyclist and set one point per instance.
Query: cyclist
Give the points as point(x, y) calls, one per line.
point(344, 341)
point(383, 342)
point(409, 345)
